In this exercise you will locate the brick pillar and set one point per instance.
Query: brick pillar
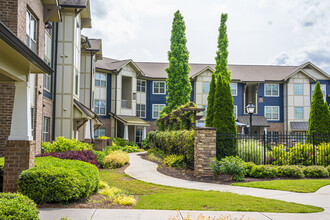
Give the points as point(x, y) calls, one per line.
point(101, 144)
point(204, 150)
point(19, 156)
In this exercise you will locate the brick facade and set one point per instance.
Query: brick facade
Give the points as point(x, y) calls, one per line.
point(152, 126)
point(276, 127)
point(107, 126)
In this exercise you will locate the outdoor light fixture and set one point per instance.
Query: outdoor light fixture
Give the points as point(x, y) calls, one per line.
point(250, 110)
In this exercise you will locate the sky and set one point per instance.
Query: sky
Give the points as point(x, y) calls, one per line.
point(278, 32)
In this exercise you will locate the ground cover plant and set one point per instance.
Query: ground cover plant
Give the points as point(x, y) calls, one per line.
point(116, 159)
point(152, 196)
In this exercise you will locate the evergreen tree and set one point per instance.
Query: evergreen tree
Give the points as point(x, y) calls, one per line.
point(319, 115)
point(210, 101)
point(224, 119)
point(178, 82)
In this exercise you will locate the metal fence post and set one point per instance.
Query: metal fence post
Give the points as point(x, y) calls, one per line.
point(313, 148)
point(264, 147)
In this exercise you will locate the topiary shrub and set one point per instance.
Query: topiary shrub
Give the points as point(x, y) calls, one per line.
point(85, 155)
point(174, 161)
point(315, 171)
point(63, 144)
point(16, 207)
point(290, 171)
point(116, 159)
point(264, 171)
point(57, 180)
point(233, 166)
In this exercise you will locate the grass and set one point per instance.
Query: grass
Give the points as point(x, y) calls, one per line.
point(154, 196)
point(303, 185)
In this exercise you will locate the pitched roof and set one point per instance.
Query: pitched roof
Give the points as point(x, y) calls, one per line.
point(257, 120)
point(73, 3)
point(299, 126)
point(245, 73)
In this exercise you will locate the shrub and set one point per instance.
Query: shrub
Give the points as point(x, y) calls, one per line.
point(119, 141)
point(111, 192)
point(301, 154)
point(100, 155)
point(63, 144)
point(179, 142)
point(248, 167)
point(264, 171)
point(233, 166)
point(315, 171)
point(174, 161)
point(145, 143)
point(85, 155)
point(116, 159)
point(215, 166)
point(125, 200)
point(323, 154)
point(103, 137)
point(251, 150)
point(278, 155)
point(57, 180)
point(16, 206)
point(103, 185)
point(328, 168)
point(291, 171)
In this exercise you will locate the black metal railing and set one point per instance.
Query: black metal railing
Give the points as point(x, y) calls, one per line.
point(278, 148)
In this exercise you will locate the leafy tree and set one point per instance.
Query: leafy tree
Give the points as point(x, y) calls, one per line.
point(210, 102)
point(178, 82)
point(319, 119)
point(224, 119)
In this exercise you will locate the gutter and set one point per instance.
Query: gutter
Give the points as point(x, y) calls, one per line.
point(90, 96)
point(55, 82)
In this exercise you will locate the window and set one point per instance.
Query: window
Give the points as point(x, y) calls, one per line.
point(156, 108)
point(47, 81)
point(32, 121)
point(272, 90)
point(298, 89)
point(138, 136)
point(159, 87)
point(205, 111)
point(299, 112)
point(235, 111)
point(99, 132)
point(273, 136)
point(31, 31)
point(100, 79)
point(272, 112)
point(141, 85)
point(323, 89)
point(48, 45)
point(233, 87)
point(206, 87)
point(76, 81)
point(45, 133)
point(141, 110)
point(99, 106)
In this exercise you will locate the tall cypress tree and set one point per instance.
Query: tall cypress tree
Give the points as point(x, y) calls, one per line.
point(210, 102)
point(319, 114)
point(178, 82)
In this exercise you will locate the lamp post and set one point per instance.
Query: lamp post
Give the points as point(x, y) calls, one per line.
point(250, 110)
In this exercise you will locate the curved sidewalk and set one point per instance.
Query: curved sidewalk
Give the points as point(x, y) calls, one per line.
point(147, 171)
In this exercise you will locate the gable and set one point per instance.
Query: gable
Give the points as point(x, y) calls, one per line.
point(315, 73)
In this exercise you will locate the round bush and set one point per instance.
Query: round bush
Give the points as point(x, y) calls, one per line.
point(291, 171)
point(248, 167)
point(116, 159)
point(264, 171)
point(315, 171)
point(233, 166)
point(16, 206)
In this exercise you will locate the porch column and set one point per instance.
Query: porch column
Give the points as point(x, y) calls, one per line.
point(144, 133)
point(126, 132)
point(20, 146)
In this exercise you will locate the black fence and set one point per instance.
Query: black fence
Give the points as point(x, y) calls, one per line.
point(279, 148)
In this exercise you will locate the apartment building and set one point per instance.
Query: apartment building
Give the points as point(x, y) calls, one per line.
point(135, 93)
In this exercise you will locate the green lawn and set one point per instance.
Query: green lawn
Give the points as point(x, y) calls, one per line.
point(154, 196)
point(303, 185)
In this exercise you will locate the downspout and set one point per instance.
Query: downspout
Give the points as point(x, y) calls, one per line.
point(90, 97)
point(55, 82)
point(115, 133)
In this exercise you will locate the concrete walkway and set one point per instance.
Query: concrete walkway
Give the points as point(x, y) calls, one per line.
point(147, 171)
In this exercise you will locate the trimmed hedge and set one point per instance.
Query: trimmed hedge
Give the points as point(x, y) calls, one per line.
point(315, 171)
point(291, 171)
point(264, 171)
point(57, 180)
point(16, 206)
point(179, 142)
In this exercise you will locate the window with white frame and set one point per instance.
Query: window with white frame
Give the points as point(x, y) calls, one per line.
point(31, 31)
point(100, 79)
point(138, 136)
point(233, 88)
point(156, 109)
point(159, 87)
point(298, 89)
point(141, 110)
point(206, 87)
point(272, 112)
point(99, 132)
point(99, 106)
point(47, 82)
point(205, 111)
point(272, 89)
point(45, 130)
point(235, 111)
point(323, 89)
point(141, 85)
point(299, 112)
point(48, 45)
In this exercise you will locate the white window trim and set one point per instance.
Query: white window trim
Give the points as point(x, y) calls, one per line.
point(145, 109)
point(294, 113)
point(106, 80)
point(235, 107)
point(294, 89)
point(278, 109)
point(140, 130)
point(152, 113)
point(98, 132)
point(153, 86)
point(105, 101)
point(48, 77)
point(278, 91)
point(209, 87)
point(145, 87)
point(236, 89)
